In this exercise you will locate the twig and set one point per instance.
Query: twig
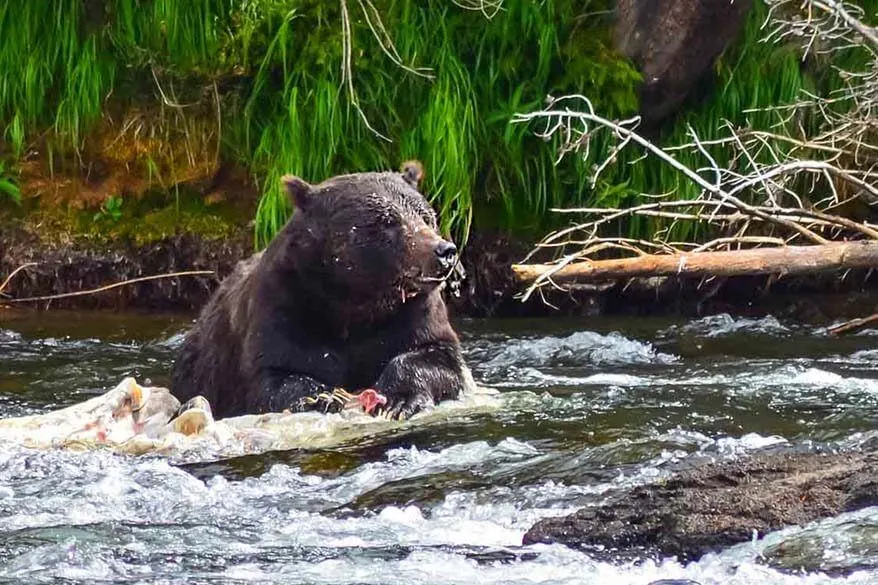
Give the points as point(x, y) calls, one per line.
point(219, 124)
point(376, 25)
point(589, 116)
point(347, 72)
point(489, 8)
point(14, 272)
point(165, 99)
point(838, 8)
point(111, 286)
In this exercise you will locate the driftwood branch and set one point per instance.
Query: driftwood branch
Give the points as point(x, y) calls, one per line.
point(108, 287)
point(784, 260)
point(737, 226)
point(854, 325)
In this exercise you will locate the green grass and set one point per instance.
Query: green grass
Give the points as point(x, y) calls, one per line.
point(276, 66)
point(8, 188)
point(53, 74)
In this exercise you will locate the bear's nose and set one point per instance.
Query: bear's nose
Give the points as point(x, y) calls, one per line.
point(446, 251)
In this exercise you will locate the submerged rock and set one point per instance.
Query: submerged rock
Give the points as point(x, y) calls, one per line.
point(714, 505)
point(837, 547)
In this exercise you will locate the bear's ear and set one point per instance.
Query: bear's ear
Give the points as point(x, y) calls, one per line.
point(413, 172)
point(298, 191)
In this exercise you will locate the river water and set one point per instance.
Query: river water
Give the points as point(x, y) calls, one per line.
point(588, 407)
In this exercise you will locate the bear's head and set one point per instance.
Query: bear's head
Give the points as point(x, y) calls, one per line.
point(367, 242)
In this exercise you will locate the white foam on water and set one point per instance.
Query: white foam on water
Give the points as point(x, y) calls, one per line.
point(98, 517)
point(164, 520)
point(580, 348)
point(724, 324)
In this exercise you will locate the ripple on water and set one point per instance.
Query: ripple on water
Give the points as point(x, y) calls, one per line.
point(130, 519)
point(585, 416)
point(580, 348)
point(724, 324)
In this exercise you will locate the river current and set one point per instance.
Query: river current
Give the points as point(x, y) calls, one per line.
point(588, 407)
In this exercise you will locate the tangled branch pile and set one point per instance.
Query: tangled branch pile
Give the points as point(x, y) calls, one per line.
point(795, 198)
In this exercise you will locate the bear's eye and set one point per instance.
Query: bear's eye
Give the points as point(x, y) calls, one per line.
point(429, 217)
point(391, 234)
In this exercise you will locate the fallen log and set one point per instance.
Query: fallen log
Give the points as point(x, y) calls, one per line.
point(854, 325)
point(711, 506)
point(782, 260)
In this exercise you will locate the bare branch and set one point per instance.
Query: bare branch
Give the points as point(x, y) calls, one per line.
point(489, 8)
point(347, 73)
point(13, 273)
point(575, 137)
point(376, 25)
point(110, 286)
point(781, 185)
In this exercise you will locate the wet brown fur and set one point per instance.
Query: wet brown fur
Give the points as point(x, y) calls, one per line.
point(338, 299)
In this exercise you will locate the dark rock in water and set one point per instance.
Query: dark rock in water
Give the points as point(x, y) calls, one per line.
point(674, 44)
point(675, 582)
point(492, 556)
point(419, 490)
point(708, 507)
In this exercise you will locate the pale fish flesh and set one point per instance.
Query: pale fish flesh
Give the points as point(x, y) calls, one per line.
point(137, 419)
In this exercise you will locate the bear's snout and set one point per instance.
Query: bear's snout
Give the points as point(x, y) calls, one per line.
point(433, 256)
point(446, 252)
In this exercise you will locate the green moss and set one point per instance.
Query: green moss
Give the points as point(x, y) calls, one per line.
point(59, 225)
point(164, 223)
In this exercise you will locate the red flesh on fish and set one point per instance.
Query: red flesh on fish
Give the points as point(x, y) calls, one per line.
point(369, 399)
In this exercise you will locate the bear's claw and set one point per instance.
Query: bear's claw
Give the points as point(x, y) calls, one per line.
point(335, 400)
point(340, 399)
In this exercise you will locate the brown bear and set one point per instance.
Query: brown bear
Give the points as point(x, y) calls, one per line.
point(347, 295)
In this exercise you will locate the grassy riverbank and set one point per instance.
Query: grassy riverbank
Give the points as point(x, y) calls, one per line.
point(122, 109)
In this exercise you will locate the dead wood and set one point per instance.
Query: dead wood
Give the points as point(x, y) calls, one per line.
point(854, 325)
point(779, 186)
point(112, 286)
point(784, 260)
point(9, 278)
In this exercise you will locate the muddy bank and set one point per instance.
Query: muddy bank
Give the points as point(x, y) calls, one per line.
point(490, 290)
point(80, 265)
point(712, 506)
